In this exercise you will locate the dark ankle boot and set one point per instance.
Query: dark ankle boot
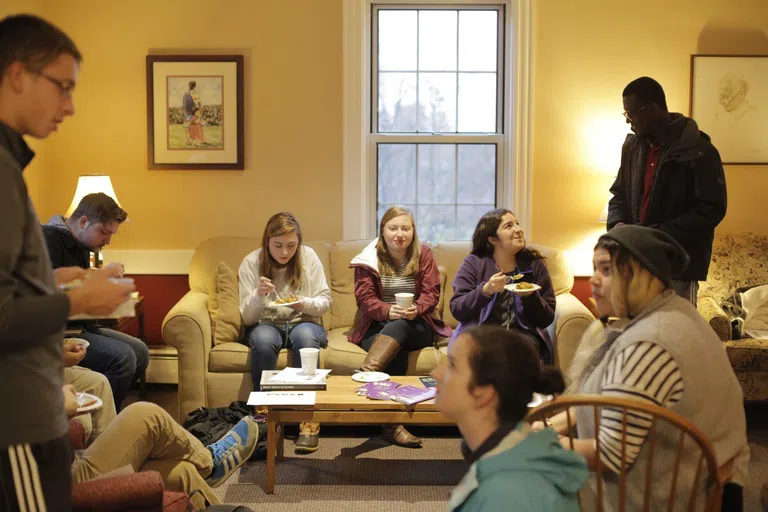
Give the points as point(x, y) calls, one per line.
point(381, 353)
point(397, 434)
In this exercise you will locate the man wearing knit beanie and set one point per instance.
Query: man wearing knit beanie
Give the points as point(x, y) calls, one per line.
point(671, 178)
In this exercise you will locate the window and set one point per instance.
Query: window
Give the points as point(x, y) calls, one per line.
point(436, 73)
point(441, 104)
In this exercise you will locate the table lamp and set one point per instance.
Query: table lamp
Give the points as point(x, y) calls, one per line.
point(91, 184)
point(604, 215)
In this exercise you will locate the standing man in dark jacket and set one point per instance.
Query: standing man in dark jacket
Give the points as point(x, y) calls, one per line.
point(38, 71)
point(671, 178)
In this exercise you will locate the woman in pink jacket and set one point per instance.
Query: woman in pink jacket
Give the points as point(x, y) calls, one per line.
point(393, 263)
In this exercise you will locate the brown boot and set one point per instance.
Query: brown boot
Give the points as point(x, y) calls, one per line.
point(309, 434)
point(397, 434)
point(381, 353)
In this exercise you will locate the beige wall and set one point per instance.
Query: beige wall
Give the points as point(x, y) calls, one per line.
point(585, 53)
point(293, 117)
point(34, 174)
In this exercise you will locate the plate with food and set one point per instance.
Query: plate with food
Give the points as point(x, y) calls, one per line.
point(522, 287)
point(71, 342)
point(87, 402)
point(291, 300)
point(370, 376)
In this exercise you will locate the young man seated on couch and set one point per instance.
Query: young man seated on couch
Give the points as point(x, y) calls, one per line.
point(120, 357)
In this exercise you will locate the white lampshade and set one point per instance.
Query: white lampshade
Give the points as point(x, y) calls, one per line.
point(91, 184)
point(604, 215)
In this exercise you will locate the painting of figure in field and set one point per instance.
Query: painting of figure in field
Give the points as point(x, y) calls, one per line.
point(195, 115)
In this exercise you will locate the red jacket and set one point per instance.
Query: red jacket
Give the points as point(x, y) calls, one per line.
point(368, 293)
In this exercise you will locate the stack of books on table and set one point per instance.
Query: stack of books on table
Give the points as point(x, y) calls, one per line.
point(388, 390)
point(293, 379)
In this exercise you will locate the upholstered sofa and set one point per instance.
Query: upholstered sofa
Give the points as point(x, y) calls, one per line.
point(737, 261)
point(214, 375)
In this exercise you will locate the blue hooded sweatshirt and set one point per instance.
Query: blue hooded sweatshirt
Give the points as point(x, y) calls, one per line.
point(526, 472)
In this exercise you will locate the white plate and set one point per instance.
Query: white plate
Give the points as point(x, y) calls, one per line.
point(370, 376)
point(538, 399)
point(275, 305)
point(93, 402)
point(79, 341)
point(513, 288)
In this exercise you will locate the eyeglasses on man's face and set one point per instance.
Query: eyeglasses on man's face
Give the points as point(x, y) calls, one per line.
point(629, 115)
point(66, 87)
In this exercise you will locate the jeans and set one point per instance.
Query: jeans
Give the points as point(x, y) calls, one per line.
point(266, 340)
point(120, 357)
point(410, 334)
point(145, 437)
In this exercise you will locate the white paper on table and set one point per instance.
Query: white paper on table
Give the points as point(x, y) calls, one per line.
point(282, 398)
point(294, 375)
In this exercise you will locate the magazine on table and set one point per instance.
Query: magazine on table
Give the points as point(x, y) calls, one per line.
point(388, 390)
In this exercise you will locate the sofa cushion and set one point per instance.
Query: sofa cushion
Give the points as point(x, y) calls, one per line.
point(748, 354)
point(235, 358)
point(224, 306)
point(231, 250)
point(343, 283)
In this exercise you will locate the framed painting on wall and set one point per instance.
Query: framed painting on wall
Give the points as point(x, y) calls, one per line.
point(729, 101)
point(195, 112)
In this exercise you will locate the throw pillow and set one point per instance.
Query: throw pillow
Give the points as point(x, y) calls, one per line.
point(224, 306)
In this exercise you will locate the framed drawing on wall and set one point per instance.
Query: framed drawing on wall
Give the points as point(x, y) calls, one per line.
point(195, 112)
point(729, 101)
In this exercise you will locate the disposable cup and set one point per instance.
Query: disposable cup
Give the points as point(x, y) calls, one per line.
point(404, 300)
point(309, 358)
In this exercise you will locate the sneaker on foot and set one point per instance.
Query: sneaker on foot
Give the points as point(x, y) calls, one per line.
point(309, 436)
point(231, 451)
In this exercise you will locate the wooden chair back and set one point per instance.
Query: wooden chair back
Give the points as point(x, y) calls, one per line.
point(690, 437)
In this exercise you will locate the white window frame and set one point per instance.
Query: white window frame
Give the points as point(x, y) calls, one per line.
point(513, 189)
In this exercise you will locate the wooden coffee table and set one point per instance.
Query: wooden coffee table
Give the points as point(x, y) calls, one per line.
point(340, 405)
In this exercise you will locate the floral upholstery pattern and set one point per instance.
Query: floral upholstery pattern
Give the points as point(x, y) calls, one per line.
point(738, 260)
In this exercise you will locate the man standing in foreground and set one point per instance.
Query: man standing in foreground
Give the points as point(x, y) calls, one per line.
point(38, 72)
point(671, 178)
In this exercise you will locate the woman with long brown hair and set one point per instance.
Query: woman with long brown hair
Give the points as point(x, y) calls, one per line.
point(395, 262)
point(499, 257)
point(284, 269)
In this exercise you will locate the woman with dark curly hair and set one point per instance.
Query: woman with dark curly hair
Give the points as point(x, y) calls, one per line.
point(480, 293)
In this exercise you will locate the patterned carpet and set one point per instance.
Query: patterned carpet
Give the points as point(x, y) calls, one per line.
point(353, 474)
point(363, 473)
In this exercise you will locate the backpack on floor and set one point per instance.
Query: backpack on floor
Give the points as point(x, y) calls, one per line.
point(209, 424)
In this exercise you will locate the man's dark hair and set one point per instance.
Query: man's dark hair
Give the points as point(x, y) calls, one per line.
point(99, 207)
point(192, 84)
point(646, 90)
point(508, 361)
point(32, 41)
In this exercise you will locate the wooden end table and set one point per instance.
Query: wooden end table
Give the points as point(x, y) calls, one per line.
point(340, 405)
